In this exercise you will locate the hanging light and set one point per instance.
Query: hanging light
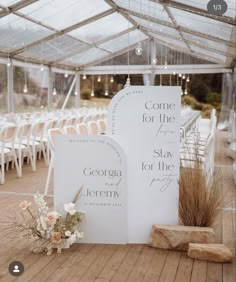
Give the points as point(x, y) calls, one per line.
point(166, 65)
point(8, 62)
point(180, 75)
point(185, 91)
point(106, 90)
point(139, 49)
point(188, 79)
point(25, 89)
point(99, 79)
point(54, 92)
point(184, 76)
point(76, 93)
point(112, 79)
point(154, 61)
point(174, 73)
point(66, 75)
point(127, 84)
point(84, 76)
point(92, 92)
point(41, 67)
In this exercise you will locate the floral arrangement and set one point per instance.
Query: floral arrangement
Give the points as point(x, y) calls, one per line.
point(49, 229)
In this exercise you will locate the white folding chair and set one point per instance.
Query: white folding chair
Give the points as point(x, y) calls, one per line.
point(52, 132)
point(7, 136)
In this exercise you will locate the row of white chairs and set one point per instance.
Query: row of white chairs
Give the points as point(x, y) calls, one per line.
point(199, 146)
point(30, 139)
point(92, 128)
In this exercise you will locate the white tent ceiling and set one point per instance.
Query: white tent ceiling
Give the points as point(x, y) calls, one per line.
point(78, 33)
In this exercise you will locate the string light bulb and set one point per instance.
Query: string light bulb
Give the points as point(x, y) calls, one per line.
point(184, 76)
point(25, 89)
point(185, 91)
point(180, 75)
point(188, 79)
point(112, 79)
point(99, 79)
point(84, 77)
point(66, 75)
point(139, 49)
point(41, 67)
point(54, 92)
point(76, 93)
point(8, 62)
point(92, 93)
point(174, 73)
point(166, 65)
point(154, 61)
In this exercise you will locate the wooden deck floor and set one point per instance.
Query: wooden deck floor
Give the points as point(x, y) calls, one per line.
point(87, 262)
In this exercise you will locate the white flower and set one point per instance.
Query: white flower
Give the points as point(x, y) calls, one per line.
point(72, 239)
point(42, 205)
point(68, 233)
point(79, 235)
point(70, 208)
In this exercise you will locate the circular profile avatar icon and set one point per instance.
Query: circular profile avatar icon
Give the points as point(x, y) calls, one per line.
point(16, 268)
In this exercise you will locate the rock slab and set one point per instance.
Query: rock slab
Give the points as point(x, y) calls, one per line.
point(210, 252)
point(177, 237)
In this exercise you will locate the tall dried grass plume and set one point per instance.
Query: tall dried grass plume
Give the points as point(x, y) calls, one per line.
point(199, 200)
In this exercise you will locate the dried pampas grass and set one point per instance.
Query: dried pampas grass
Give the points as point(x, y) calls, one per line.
point(199, 202)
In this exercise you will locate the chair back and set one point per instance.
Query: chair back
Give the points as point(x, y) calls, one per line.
point(52, 133)
point(93, 127)
point(70, 130)
point(8, 133)
point(82, 129)
point(102, 125)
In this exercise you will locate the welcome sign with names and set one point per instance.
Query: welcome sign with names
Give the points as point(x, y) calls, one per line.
point(98, 164)
point(145, 121)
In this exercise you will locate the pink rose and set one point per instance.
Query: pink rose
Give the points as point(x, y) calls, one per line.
point(56, 238)
point(24, 205)
point(51, 218)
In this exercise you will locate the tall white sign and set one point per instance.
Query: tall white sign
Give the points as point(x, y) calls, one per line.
point(98, 164)
point(145, 121)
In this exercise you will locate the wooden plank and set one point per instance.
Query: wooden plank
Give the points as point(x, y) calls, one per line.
point(77, 265)
point(114, 263)
point(128, 263)
point(185, 269)
point(170, 268)
point(156, 266)
point(199, 272)
point(229, 271)
point(98, 265)
point(214, 272)
point(59, 263)
point(142, 265)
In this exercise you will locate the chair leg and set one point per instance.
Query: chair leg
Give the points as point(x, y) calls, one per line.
point(16, 163)
point(2, 180)
point(19, 163)
point(49, 176)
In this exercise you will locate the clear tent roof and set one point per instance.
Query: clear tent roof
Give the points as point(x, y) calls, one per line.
point(77, 33)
